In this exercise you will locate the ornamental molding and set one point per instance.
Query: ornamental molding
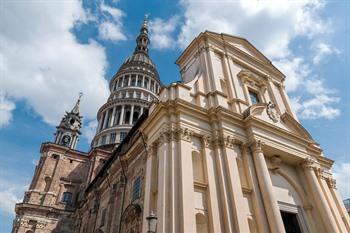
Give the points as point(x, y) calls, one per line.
point(227, 141)
point(252, 80)
point(175, 133)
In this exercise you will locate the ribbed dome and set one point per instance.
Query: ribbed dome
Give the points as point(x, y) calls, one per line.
point(139, 57)
point(138, 60)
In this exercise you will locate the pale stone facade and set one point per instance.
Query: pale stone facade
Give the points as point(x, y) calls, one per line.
point(221, 151)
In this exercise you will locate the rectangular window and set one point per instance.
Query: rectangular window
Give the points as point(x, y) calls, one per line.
point(104, 137)
point(290, 222)
point(67, 198)
point(112, 138)
point(122, 136)
point(136, 190)
point(254, 97)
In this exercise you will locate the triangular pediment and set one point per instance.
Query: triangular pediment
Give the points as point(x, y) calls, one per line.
point(285, 121)
point(295, 126)
point(244, 46)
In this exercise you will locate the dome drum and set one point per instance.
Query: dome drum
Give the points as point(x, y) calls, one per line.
point(133, 88)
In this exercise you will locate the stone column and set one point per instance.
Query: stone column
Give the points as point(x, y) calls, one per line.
point(329, 197)
point(273, 213)
point(112, 117)
point(141, 112)
point(131, 114)
point(121, 115)
point(257, 203)
point(319, 198)
point(123, 81)
point(105, 119)
point(143, 81)
point(338, 201)
point(129, 81)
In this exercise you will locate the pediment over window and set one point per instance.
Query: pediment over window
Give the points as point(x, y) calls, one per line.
point(252, 80)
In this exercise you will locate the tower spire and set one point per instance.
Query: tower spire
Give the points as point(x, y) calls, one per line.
point(68, 130)
point(142, 41)
point(76, 108)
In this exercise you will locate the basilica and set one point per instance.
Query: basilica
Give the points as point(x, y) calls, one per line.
point(220, 151)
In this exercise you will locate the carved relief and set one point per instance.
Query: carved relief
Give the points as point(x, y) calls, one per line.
point(276, 162)
point(272, 112)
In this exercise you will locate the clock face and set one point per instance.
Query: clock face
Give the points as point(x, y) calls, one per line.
point(73, 123)
point(65, 140)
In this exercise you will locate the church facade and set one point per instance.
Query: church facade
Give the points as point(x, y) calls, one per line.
point(220, 151)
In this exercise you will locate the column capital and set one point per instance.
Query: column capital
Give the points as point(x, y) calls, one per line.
point(332, 183)
point(309, 163)
point(257, 146)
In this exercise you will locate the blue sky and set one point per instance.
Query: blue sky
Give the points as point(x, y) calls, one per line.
point(50, 51)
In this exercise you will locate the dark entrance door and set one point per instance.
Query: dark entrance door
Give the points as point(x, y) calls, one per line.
point(290, 222)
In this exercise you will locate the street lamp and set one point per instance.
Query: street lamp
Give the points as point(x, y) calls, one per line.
point(152, 223)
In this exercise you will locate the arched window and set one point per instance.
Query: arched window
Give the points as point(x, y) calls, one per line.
point(135, 117)
point(146, 83)
point(152, 86)
point(197, 165)
point(133, 80)
point(201, 223)
point(127, 117)
point(139, 81)
point(67, 197)
point(126, 81)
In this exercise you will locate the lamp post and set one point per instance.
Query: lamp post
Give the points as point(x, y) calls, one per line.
point(152, 223)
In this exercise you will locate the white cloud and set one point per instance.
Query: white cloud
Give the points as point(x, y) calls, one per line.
point(43, 63)
point(10, 193)
point(161, 32)
point(110, 31)
point(296, 71)
point(342, 175)
point(111, 24)
point(89, 130)
point(319, 106)
point(272, 26)
point(322, 50)
point(6, 108)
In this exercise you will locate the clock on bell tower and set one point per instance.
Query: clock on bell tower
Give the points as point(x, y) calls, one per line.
point(68, 130)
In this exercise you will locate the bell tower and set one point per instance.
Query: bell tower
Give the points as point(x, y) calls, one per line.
point(68, 130)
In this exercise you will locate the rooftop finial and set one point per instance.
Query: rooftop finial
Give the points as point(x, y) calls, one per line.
point(76, 107)
point(142, 40)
